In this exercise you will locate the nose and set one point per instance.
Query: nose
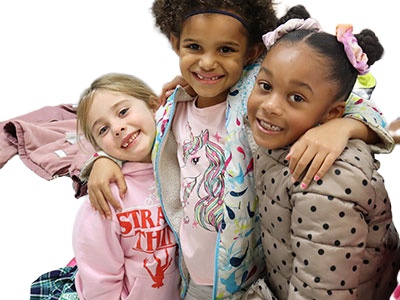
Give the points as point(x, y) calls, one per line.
point(272, 104)
point(208, 61)
point(119, 129)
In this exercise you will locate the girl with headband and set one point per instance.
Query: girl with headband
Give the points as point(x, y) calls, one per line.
point(334, 239)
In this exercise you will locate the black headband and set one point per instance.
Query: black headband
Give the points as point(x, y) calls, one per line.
point(217, 11)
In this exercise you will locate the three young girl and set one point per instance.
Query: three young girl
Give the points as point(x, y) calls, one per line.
point(202, 159)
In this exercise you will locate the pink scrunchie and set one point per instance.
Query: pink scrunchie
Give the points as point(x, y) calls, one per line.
point(355, 54)
point(291, 25)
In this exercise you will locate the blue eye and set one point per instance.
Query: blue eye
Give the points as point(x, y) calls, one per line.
point(123, 112)
point(102, 130)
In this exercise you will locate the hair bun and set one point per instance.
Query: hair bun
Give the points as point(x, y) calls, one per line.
point(295, 12)
point(370, 44)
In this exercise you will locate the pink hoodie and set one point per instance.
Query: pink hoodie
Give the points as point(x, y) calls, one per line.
point(131, 256)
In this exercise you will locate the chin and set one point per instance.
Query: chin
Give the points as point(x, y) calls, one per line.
point(266, 143)
point(260, 141)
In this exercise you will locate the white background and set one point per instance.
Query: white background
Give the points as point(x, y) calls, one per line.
point(51, 50)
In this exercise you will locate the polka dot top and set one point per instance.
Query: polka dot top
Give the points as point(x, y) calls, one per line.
point(333, 240)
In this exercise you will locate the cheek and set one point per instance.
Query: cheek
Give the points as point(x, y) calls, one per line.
point(185, 60)
point(252, 105)
point(148, 124)
point(299, 125)
point(105, 143)
point(235, 67)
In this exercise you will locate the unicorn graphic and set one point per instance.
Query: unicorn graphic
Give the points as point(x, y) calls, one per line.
point(210, 185)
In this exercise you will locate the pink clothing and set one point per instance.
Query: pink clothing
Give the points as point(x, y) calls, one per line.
point(201, 160)
point(396, 293)
point(131, 256)
point(45, 141)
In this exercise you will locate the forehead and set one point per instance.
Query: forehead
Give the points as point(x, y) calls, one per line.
point(223, 25)
point(105, 98)
point(298, 55)
point(301, 64)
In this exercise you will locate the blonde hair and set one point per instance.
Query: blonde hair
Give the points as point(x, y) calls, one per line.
point(115, 82)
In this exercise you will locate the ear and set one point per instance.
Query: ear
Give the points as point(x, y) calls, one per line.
point(174, 40)
point(254, 53)
point(336, 111)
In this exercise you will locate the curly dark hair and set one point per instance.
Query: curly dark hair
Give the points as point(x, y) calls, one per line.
point(370, 44)
point(259, 15)
point(297, 11)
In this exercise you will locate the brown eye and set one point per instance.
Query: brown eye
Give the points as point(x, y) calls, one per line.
point(265, 86)
point(226, 49)
point(193, 46)
point(297, 98)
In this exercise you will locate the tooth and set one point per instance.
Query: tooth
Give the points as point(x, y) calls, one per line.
point(207, 78)
point(269, 126)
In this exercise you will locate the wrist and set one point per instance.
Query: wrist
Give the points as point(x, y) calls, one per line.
point(355, 129)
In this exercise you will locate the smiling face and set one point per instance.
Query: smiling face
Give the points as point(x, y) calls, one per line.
point(122, 126)
point(212, 51)
point(291, 95)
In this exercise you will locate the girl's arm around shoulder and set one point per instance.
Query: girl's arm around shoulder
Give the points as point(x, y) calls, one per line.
point(103, 170)
point(320, 146)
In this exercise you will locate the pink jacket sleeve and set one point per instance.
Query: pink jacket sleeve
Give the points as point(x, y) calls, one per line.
point(47, 114)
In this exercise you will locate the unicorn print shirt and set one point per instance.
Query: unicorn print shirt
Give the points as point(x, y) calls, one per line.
point(200, 135)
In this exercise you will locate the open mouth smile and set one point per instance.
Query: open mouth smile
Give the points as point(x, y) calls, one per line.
point(269, 126)
point(129, 140)
point(208, 78)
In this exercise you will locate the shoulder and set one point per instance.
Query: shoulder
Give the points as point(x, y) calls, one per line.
point(358, 155)
point(349, 179)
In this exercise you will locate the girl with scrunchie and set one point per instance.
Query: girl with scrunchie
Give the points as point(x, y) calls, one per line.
point(334, 239)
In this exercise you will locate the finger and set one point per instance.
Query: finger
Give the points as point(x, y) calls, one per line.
point(121, 183)
point(164, 96)
point(294, 155)
point(168, 93)
point(178, 80)
point(162, 99)
point(302, 164)
point(95, 200)
point(312, 170)
point(104, 208)
point(325, 166)
point(108, 197)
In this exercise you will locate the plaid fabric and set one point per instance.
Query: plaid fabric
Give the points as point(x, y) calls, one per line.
point(55, 285)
